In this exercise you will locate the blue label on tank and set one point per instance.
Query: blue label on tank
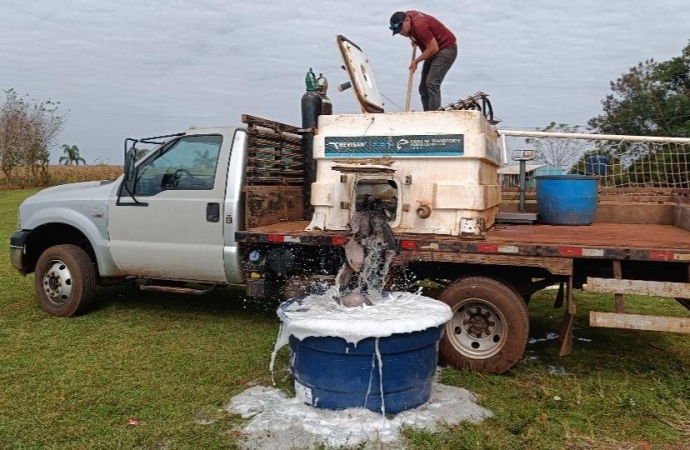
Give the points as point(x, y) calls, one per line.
point(406, 145)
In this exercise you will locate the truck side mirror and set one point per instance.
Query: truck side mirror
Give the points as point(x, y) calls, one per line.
point(130, 170)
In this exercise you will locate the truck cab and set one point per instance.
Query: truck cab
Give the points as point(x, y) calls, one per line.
point(177, 212)
point(171, 216)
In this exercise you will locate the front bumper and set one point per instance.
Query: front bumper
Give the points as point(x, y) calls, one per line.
point(17, 250)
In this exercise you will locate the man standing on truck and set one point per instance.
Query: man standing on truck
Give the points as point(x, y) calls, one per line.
point(439, 50)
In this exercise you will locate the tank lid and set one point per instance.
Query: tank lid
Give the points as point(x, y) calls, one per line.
point(361, 76)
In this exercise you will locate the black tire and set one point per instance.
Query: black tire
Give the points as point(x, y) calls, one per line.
point(65, 280)
point(685, 302)
point(490, 326)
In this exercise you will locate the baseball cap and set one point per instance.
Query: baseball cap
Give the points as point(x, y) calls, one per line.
point(396, 22)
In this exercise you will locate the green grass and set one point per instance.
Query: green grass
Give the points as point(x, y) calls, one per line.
point(170, 360)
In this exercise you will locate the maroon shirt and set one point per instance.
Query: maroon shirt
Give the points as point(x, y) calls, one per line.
point(424, 27)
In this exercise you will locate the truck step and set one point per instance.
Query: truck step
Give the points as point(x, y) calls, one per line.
point(638, 287)
point(175, 289)
point(639, 322)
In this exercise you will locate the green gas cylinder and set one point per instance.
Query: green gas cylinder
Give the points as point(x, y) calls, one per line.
point(311, 102)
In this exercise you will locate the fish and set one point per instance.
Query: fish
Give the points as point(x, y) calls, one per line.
point(353, 300)
point(369, 232)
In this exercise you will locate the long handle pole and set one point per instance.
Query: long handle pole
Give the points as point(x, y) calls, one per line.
point(409, 79)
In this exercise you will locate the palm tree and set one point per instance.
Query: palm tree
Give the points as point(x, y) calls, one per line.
point(204, 159)
point(72, 152)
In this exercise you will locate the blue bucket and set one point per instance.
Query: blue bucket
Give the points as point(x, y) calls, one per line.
point(567, 199)
point(334, 374)
point(597, 165)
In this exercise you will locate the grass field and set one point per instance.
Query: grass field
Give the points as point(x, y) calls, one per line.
point(168, 361)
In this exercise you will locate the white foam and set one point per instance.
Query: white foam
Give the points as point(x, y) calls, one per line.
point(282, 423)
point(549, 337)
point(393, 313)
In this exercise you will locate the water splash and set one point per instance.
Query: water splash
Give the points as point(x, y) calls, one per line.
point(378, 357)
point(369, 252)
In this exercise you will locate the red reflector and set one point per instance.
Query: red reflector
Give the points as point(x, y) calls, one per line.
point(487, 248)
point(339, 240)
point(408, 245)
point(276, 238)
point(570, 251)
point(661, 255)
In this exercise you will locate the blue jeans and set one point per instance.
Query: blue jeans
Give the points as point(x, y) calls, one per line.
point(433, 72)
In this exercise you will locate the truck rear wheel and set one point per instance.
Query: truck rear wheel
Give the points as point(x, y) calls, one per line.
point(490, 325)
point(65, 280)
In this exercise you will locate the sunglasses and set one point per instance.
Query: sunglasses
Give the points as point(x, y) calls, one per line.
point(395, 26)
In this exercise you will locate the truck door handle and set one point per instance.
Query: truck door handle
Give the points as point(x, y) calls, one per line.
point(213, 212)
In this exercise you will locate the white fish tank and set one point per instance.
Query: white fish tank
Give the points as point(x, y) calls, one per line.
point(433, 172)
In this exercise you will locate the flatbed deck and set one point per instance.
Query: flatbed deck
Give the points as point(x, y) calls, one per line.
point(599, 240)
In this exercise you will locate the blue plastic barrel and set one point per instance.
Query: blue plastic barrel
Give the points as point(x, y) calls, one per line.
point(596, 165)
point(340, 375)
point(567, 199)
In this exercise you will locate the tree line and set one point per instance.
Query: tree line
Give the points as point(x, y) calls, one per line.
point(27, 129)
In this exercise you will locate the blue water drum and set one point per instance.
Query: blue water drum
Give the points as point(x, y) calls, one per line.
point(597, 165)
point(334, 374)
point(567, 199)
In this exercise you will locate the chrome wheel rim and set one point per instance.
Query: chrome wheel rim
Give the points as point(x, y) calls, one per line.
point(57, 283)
point(477, 329)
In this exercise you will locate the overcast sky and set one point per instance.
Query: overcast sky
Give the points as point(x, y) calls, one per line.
point(135, 68)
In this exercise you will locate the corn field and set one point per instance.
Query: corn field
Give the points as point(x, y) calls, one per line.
point(22, 178)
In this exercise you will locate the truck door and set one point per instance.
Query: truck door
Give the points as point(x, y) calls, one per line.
point(172, 227)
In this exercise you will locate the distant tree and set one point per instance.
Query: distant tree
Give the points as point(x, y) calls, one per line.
point(12, 117)
point(27, 129)
point(72, 155)
point(48, 123)
point(563, 153)
point(652, 99)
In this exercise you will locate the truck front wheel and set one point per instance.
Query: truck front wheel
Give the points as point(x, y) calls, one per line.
point(490, 325)
point(65, 280)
